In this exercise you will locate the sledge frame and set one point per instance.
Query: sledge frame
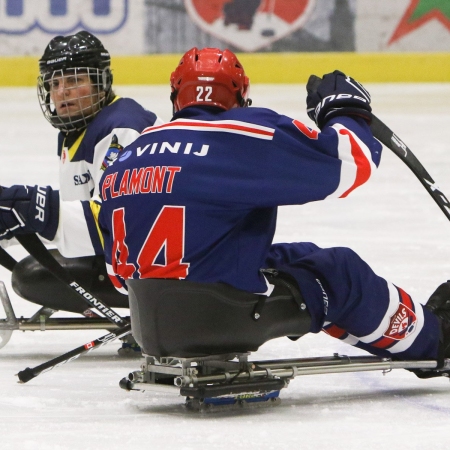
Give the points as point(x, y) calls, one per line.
point(234, 376)
point(42, 321)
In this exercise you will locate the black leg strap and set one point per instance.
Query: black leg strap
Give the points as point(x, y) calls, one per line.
point(276, 277)
point(256, 314)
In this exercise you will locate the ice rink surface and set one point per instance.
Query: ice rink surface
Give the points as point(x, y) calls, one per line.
point(392, 222)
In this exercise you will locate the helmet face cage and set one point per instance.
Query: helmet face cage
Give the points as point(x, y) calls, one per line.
point(89, 86)
point(209, 77)
point(75, 80)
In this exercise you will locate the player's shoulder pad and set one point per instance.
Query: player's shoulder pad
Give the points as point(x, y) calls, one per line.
point(125, 113)
point(122, 113)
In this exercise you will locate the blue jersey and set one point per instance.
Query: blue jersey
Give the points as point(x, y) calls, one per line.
point(197, 198)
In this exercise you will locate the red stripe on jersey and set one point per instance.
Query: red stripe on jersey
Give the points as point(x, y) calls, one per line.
point(213, 125)
point(400, 324)
point(116, 283)
point(363, 169)
point(334, 331)
point(406, 299)
point(308, 132)
point(384, 342)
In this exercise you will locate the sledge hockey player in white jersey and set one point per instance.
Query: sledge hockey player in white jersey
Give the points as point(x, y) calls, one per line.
point(187, 215)
point(76, 96)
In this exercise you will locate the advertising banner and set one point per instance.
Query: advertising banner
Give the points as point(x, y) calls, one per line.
point(26, 26)
point(136, 27)
point(250, 24)
point(403, 25)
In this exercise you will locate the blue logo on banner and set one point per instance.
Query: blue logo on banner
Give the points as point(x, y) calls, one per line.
point(63, 16)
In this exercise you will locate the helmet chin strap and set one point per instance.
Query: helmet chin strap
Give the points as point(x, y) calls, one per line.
point(173, 96)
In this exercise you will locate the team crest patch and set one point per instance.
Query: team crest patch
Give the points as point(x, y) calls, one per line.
point(402, 323)
point(113, 152)
point(249, 24)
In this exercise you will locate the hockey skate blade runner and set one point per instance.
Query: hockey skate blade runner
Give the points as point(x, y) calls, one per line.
point(224, 380)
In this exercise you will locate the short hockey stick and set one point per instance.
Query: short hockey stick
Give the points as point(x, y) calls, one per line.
point(30, 373)
point(6, 260)
point(394, 143)
point(37, 249)
point(33, 245)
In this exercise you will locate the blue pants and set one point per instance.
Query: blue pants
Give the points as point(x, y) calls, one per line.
point(347, 300)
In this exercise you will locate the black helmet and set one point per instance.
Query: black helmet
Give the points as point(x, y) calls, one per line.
point(81, 52)
point(77, 50)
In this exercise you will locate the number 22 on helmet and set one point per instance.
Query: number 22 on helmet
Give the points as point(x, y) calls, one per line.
point(209, 77)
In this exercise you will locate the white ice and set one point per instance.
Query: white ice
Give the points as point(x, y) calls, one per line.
point(392, 222)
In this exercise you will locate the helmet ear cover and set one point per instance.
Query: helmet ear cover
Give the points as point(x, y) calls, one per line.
point(209, 77)
point(107, 79)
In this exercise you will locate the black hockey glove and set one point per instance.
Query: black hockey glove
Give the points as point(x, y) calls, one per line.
point(27, 209)
point(336, 94)
point(439, 302)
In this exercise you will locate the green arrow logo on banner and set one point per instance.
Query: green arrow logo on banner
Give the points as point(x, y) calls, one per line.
point(420, 12)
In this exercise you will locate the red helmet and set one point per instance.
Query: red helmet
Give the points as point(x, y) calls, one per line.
point(210, 77)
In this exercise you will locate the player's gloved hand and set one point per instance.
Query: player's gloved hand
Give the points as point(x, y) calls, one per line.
point(336, 94)
point(439, 302)
point(28, 209)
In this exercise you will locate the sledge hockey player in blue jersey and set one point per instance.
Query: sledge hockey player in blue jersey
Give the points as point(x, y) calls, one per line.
point(76, 96)
point(187, 214)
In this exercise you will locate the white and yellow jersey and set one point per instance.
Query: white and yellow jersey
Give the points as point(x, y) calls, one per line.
point(85, 155)
point(83, 158)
